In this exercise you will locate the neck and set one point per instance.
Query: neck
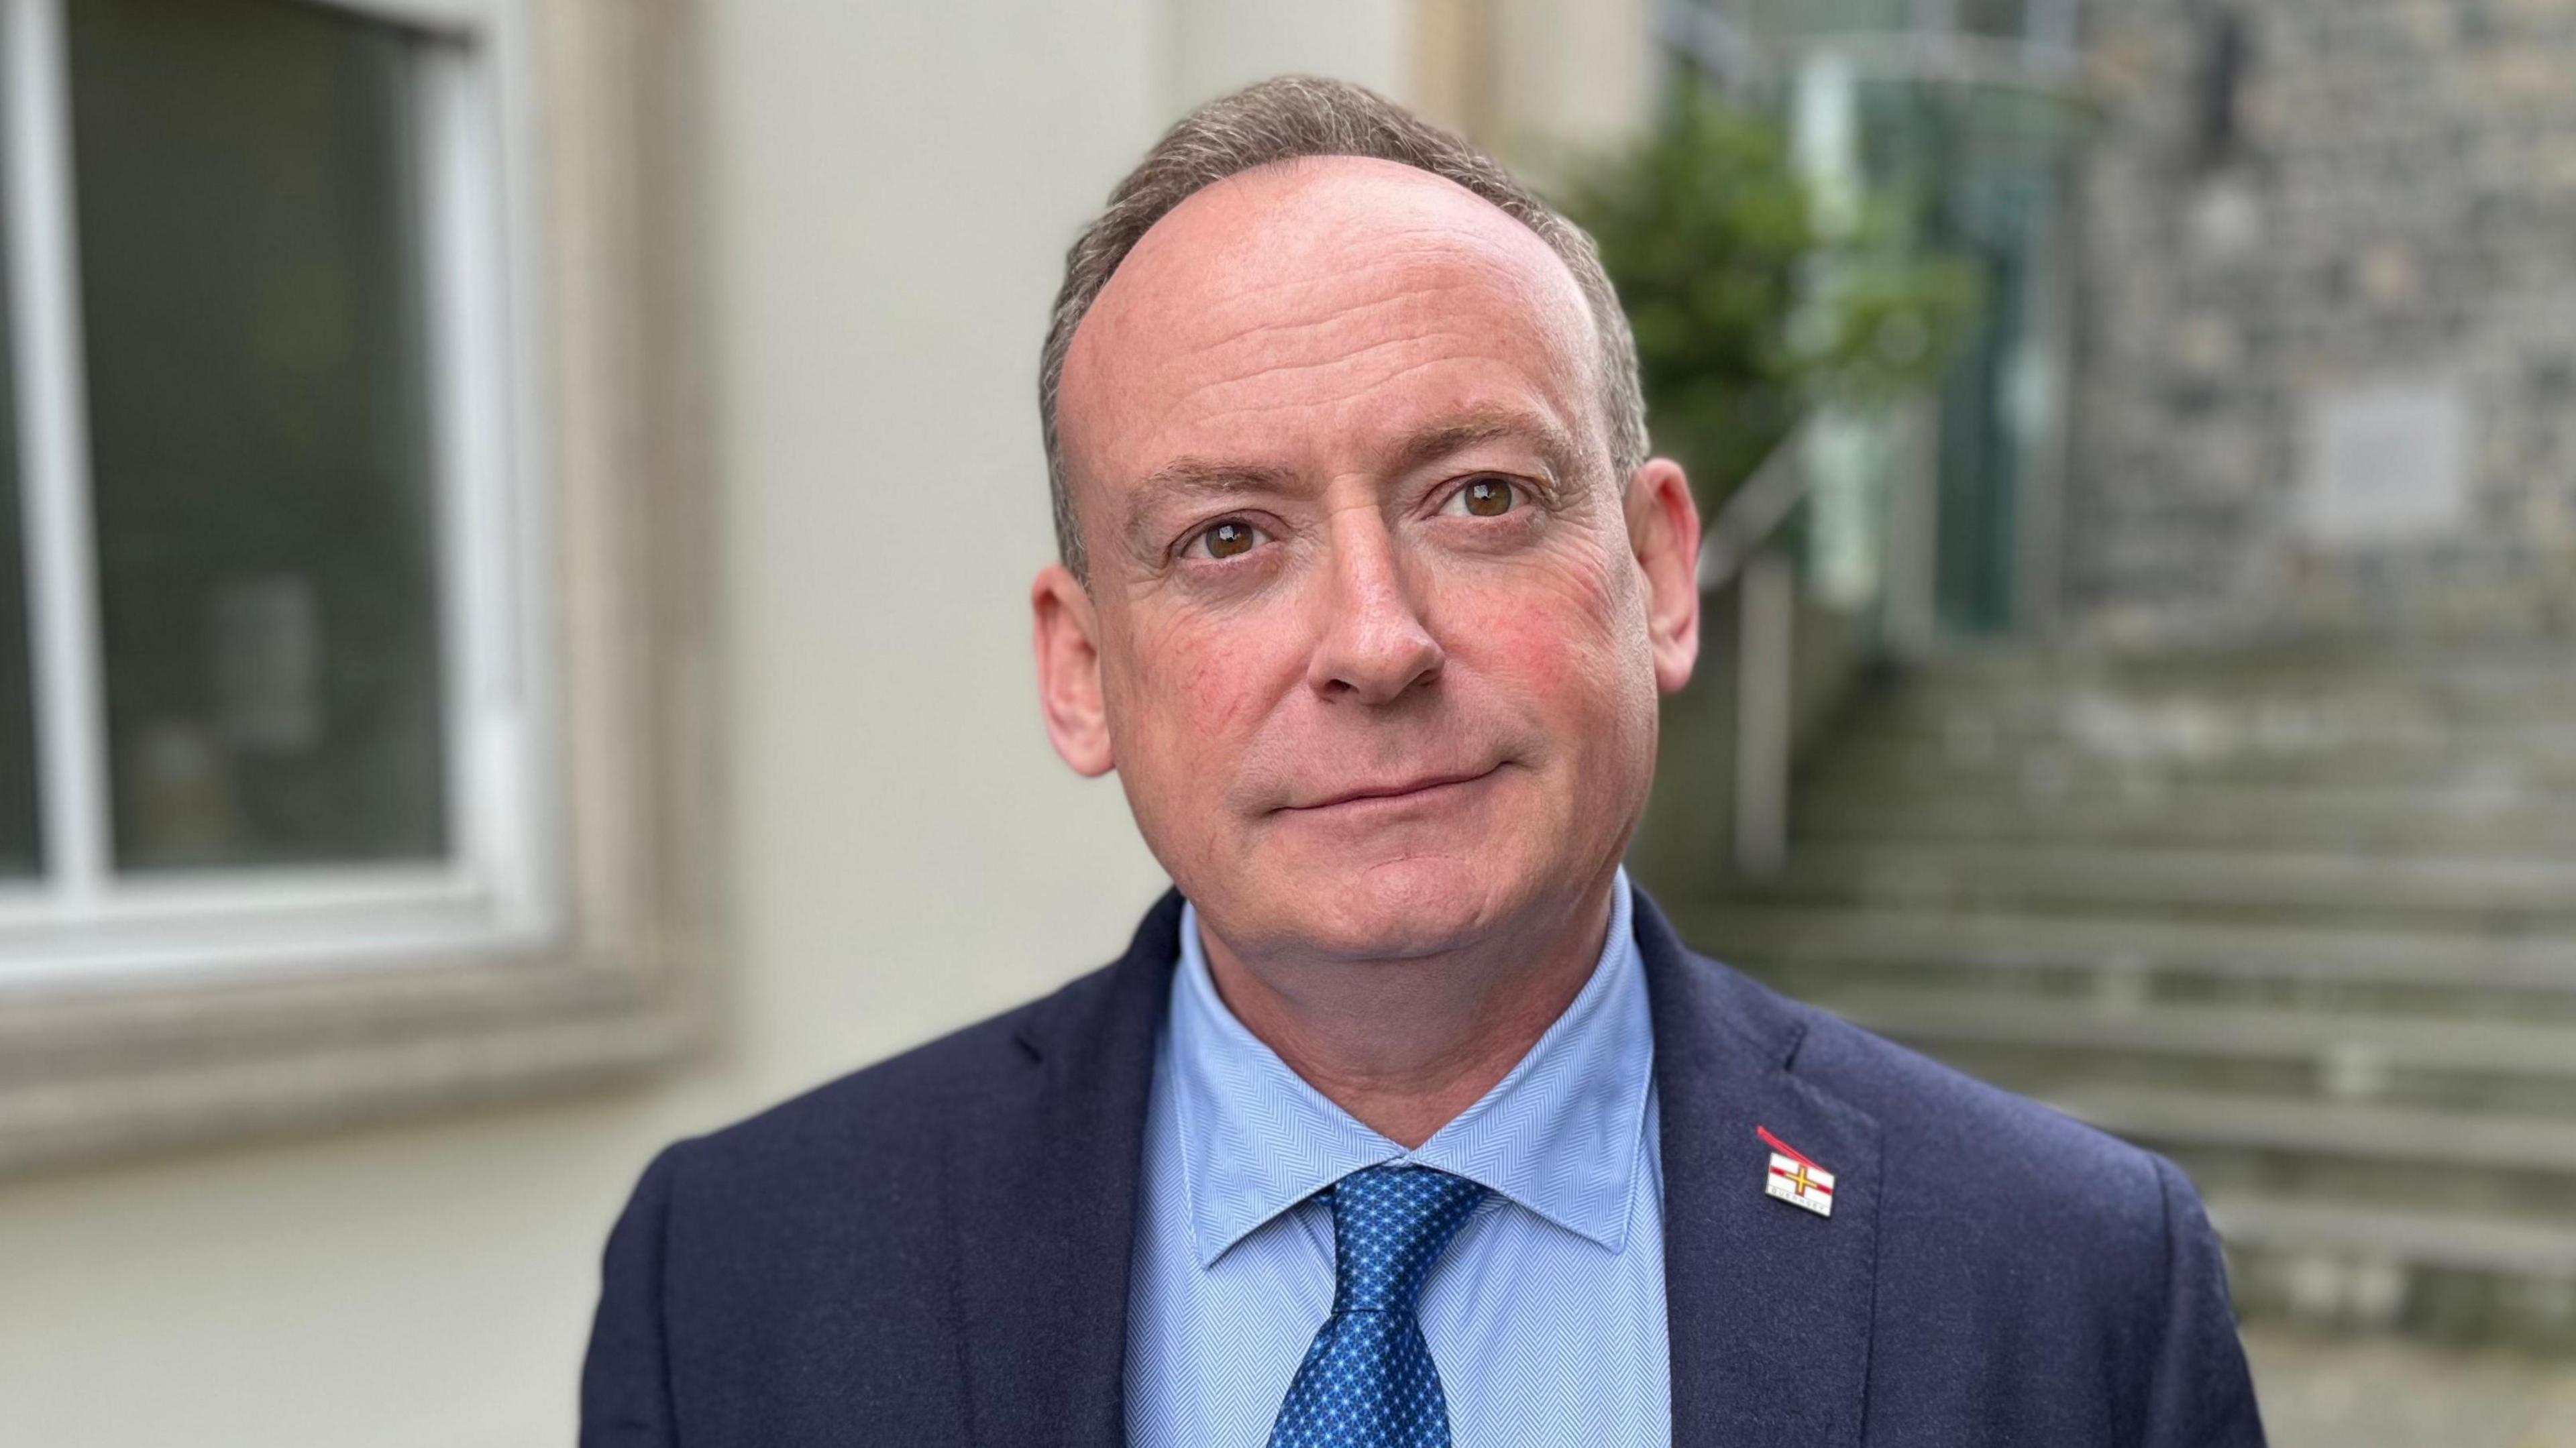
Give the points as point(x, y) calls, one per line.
point(1406, 1045)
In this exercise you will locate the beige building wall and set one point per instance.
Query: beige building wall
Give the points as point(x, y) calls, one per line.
point(1542, 83)
point(1209, 47)
point(892, 186)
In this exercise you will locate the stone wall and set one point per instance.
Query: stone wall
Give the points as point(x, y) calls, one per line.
point(2325, 366)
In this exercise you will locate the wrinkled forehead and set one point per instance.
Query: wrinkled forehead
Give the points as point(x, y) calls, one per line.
point(1294, 286)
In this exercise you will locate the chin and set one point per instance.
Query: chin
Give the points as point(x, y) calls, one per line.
point(1408, 905)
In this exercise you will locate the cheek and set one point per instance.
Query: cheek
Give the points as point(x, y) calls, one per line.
point(1565, 642)
point(1209, 700)
point(1197, 686)
point(1545, 665)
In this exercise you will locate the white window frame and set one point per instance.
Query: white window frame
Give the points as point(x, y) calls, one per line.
point(556, 943)
point(496, 888)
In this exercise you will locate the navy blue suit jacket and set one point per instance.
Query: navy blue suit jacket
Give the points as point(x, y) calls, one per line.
point(934, 1250)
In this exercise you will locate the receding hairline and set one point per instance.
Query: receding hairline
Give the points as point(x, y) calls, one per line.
point(1522, 243)
point(1307, 172)
point(1300, 117)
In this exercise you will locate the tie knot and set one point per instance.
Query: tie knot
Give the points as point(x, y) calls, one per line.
point(1390, 1224)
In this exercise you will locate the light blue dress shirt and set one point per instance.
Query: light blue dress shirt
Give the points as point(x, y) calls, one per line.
point(1545, 1316)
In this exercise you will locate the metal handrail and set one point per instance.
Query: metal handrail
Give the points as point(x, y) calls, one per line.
point(1736, 548)
point(1755, 511)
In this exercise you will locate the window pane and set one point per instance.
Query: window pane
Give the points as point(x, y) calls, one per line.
point(19, 833)
point(252, 286)
point(1993, 17)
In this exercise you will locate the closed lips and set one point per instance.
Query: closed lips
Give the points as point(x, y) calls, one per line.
point(1392, 790)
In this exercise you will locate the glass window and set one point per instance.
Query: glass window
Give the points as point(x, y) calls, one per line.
point(20, 835)
point(252, 284)
point(263, 380)
point(2001, 18)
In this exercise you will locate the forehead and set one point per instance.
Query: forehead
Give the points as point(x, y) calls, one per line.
point(1320, 293)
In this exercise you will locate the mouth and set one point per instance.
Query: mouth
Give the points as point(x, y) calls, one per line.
point(1424, 787)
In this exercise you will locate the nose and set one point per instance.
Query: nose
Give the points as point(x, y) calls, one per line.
point(1372, 645)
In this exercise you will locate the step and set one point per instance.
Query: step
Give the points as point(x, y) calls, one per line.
point(2513, 695)
point(2216, 716)
point(2303, 919)
point(2334, 1041)
point(2204, 718)
point(2470, 1241)
point(2417, 1139)
point(2494, 891)
point(2538, 964)
point(2456, 1273)
point(2214, 720)
point(2359, 819)
point(2148, 959)
point(2301, 669)
point(2054, 768)
point(2039, 1045)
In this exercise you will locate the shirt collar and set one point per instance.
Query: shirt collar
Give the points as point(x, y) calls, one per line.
point(1562, 1133)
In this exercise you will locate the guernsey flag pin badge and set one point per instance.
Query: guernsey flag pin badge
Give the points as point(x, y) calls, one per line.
point(1796, 1180)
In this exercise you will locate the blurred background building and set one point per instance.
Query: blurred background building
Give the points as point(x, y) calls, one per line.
point(514, 522)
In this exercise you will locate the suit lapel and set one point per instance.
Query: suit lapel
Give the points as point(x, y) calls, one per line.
point(1768, 1305)
point(1042, 1198)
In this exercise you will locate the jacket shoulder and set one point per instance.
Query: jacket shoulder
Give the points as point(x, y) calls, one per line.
point(884, 1128)
point(1966, 1154)
point(2035, 1277)
point(897, 1106)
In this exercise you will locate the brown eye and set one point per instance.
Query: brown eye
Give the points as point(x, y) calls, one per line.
point(1488, 497)
point(1229, 538)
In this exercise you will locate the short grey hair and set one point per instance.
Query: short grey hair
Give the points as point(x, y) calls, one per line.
point(1298, 117)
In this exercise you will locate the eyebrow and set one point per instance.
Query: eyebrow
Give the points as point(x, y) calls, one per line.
point(1479, 425)
point(1190, 479)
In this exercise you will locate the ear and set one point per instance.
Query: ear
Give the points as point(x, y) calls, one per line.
point(1067, 639)
point(1663, 529)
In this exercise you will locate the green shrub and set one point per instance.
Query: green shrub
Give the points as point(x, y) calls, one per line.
point(1747, 311)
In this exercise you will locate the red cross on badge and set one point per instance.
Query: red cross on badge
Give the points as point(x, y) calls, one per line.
point(1796, 1180)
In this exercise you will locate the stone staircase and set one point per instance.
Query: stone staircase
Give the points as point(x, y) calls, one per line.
point(2304, 923)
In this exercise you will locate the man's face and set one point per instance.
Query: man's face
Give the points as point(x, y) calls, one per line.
point(1372, 633)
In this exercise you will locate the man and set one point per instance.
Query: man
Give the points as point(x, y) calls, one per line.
point(1404, 1119)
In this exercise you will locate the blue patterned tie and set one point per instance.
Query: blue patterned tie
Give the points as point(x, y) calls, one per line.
point(1368, 1381)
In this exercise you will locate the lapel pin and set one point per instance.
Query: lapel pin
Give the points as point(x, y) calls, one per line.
point(1796, 1180)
